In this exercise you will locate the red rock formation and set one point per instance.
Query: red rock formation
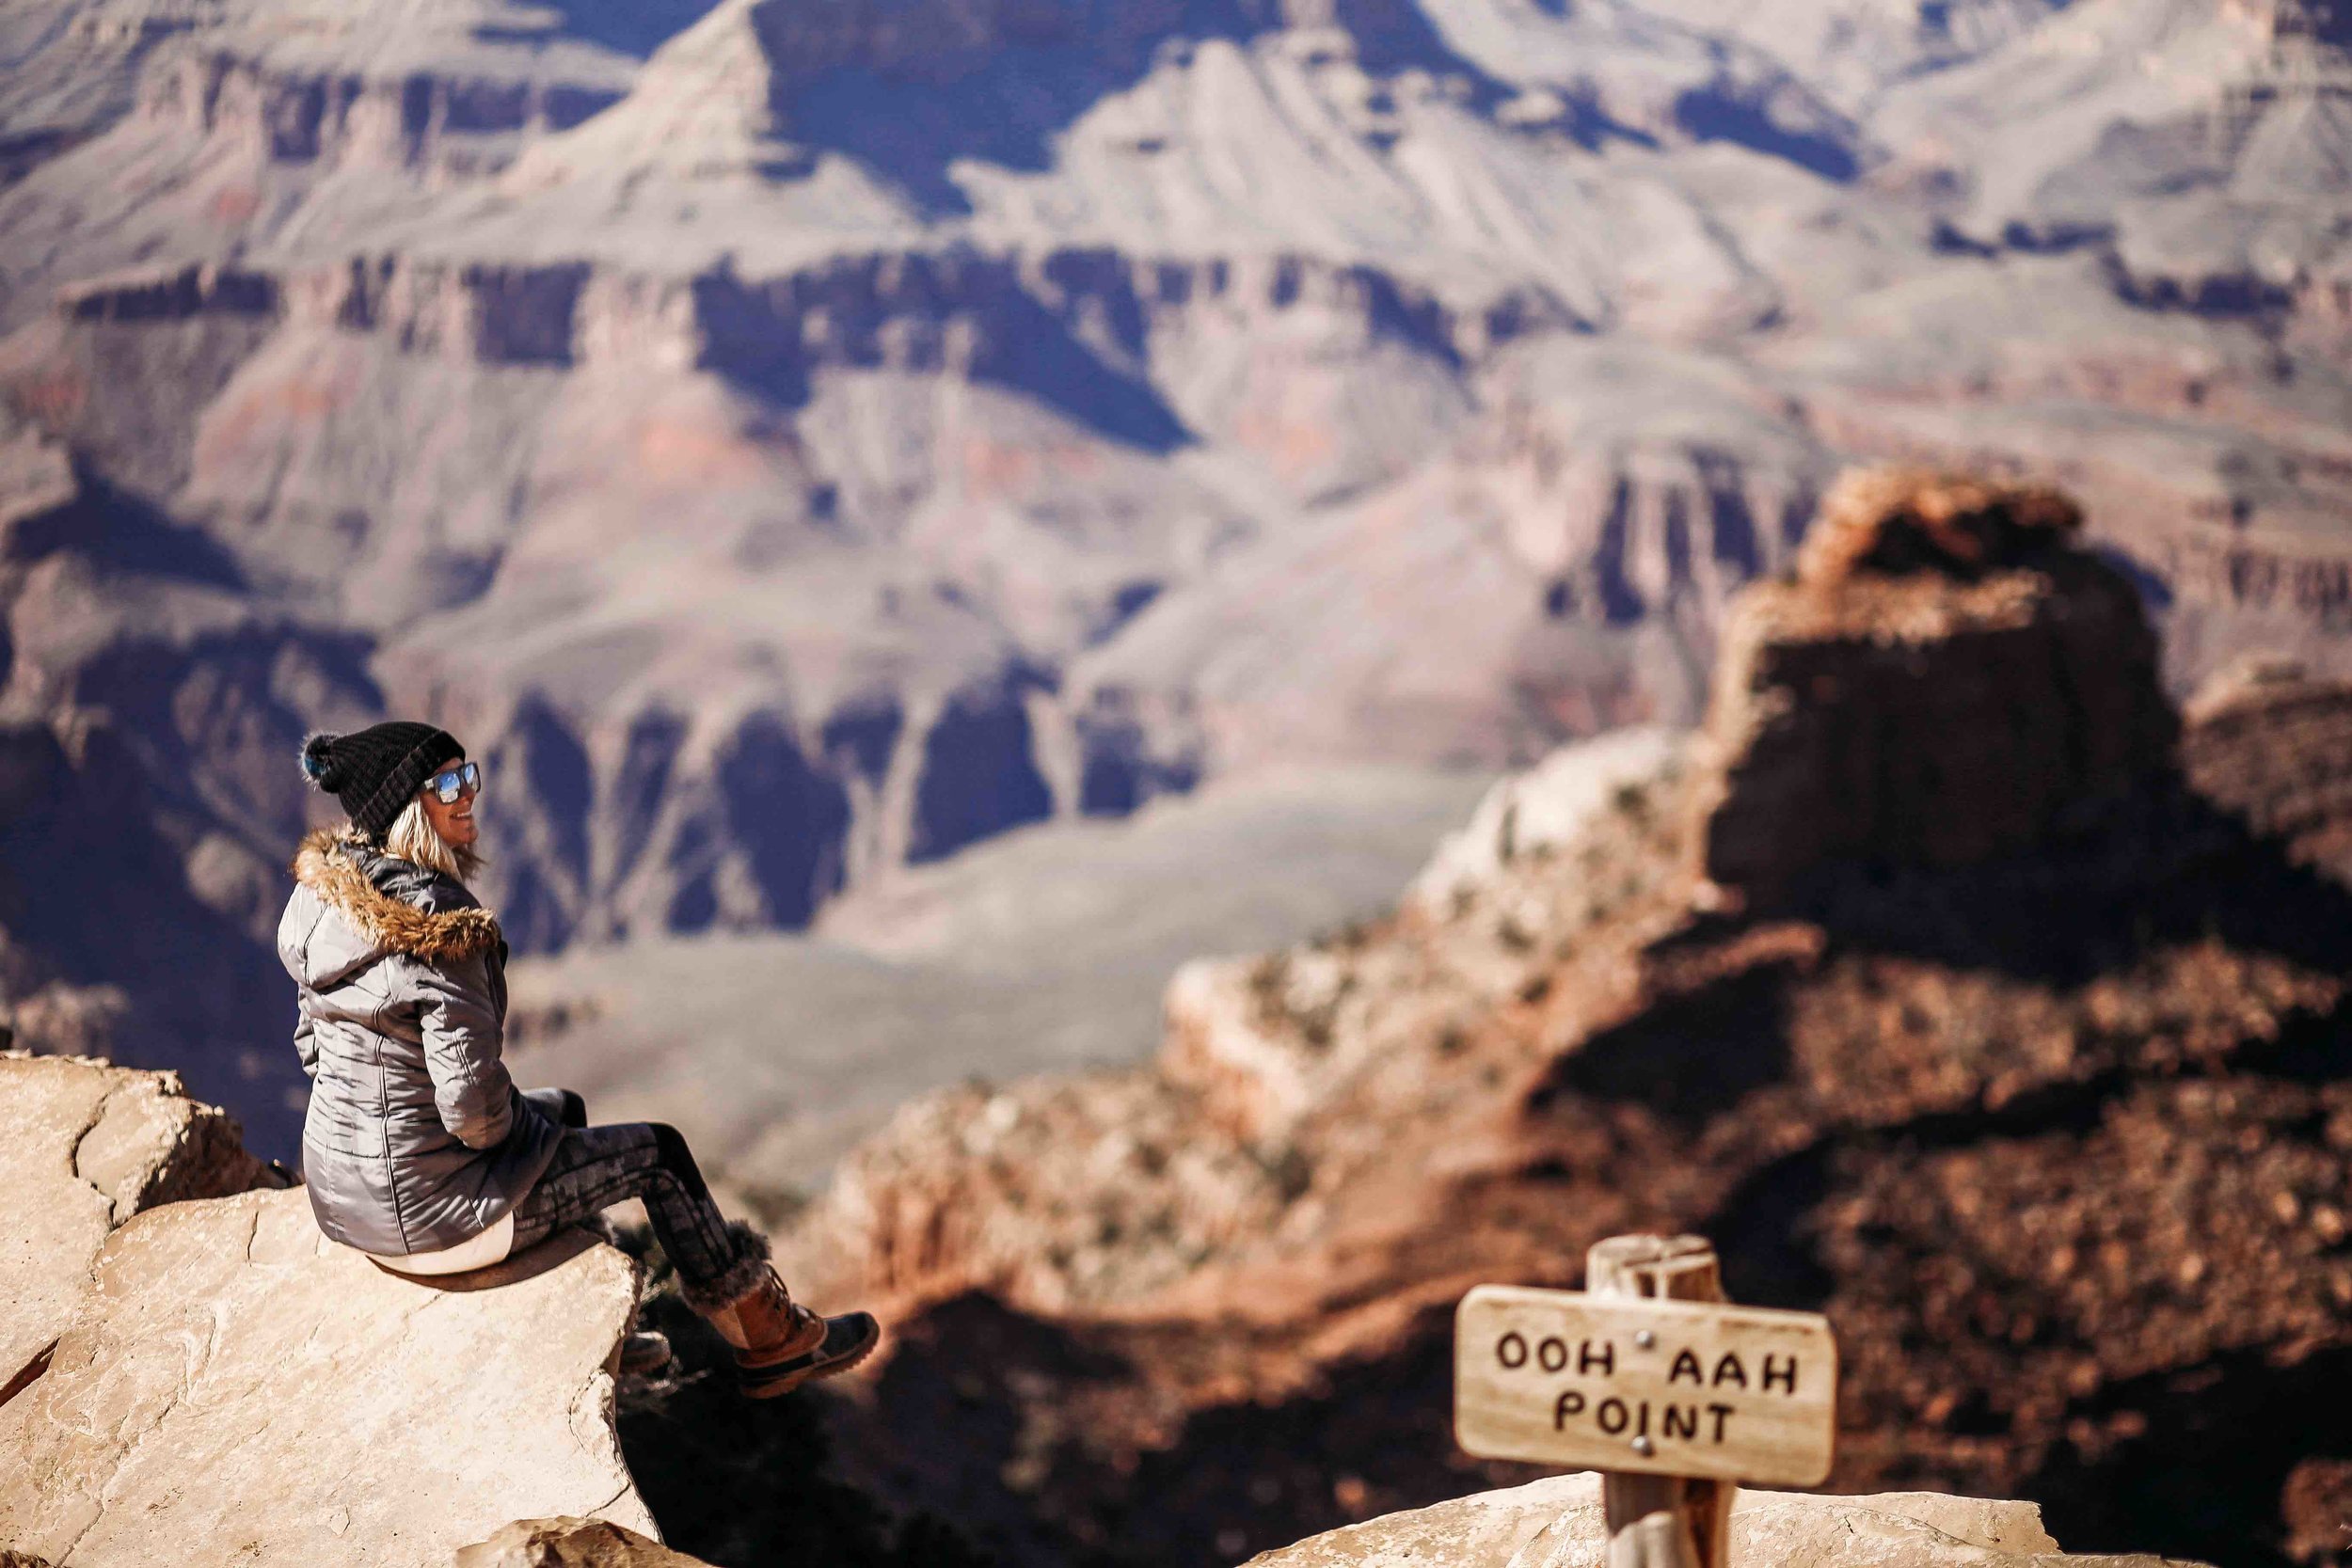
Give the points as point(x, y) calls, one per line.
point(2052, 1124)
point(1944, 681)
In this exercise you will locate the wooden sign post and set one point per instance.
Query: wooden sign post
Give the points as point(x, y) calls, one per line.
point(1647, 1377)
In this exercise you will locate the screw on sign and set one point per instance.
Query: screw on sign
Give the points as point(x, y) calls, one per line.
point(1650, 1378)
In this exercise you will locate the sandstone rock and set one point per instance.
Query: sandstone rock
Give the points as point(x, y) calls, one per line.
point(1263, 1041)
point(1946, 683)
point(569, 1543)
point(1227, 1039)
point(239, 1388)
point(1558, 1524)
point(1031, 1207)
point(1482, 1530)
point(84, 1147)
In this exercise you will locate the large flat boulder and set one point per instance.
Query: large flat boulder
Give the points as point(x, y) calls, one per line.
point(240, 1390)
point(1557, 1524)
point(84, 1147)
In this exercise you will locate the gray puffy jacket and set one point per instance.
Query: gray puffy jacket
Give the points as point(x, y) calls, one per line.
point(417, 1139)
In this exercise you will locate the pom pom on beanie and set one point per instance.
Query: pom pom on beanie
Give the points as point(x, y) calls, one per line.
point(318, 762)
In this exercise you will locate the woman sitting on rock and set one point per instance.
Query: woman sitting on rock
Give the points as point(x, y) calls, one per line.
point(419, 1150)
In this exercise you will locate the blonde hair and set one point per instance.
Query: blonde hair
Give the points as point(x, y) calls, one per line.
point(413, 837)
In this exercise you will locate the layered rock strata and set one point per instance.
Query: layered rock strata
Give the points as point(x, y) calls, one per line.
point(2274, 744)
point(792, 446)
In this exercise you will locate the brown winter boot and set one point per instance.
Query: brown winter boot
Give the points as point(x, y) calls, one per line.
point(848, 1338)
point(779, 1344)
point(766, 1325)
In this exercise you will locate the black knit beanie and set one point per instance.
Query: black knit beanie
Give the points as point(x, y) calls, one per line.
point(377, 772)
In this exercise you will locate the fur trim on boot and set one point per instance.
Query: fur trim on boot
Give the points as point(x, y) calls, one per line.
point(741, 1277)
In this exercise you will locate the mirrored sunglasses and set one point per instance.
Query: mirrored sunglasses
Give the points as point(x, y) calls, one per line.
point(447, 787)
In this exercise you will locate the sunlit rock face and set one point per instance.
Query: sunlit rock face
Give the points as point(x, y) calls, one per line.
point(275, 1394)
point(83, 1147)
point(189, 1371)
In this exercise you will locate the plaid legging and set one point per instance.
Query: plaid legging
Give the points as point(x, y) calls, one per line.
point(595, 1167)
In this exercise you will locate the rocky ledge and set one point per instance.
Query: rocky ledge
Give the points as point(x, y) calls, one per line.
point(194, 1374)
point(212, 1380)
point(569, 1543)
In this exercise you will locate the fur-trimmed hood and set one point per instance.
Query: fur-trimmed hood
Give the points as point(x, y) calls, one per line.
point(416, 1139)
point(332, 865)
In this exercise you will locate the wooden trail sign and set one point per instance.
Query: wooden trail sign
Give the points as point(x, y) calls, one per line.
point(1650, 1379)
point(1656, 1388)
